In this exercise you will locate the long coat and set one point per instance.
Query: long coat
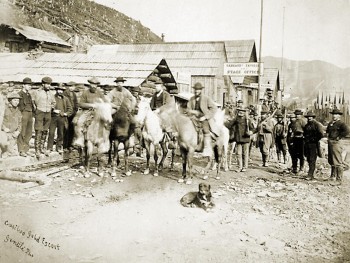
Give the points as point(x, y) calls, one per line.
point(208, 108)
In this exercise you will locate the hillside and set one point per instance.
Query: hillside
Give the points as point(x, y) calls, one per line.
point(305, 79)
point(92, 22)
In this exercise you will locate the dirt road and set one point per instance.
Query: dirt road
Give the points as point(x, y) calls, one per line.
point(263, 215)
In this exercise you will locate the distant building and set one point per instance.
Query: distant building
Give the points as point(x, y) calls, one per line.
point(25, 38)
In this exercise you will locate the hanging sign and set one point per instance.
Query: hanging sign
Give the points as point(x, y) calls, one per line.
point(243, 69)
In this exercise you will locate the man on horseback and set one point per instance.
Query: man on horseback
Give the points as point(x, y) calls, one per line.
point(86, 103)
point(204, 108)
point(160, 97)
point(119, 94)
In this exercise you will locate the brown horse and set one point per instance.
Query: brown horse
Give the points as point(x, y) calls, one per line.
point(91, 131)
point(123, 127)
point(187, 137)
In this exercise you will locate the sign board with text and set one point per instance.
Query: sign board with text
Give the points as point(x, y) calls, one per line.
point(262, 86)
point(243, 69)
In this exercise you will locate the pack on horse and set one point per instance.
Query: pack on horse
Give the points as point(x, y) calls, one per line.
point(152, 133)
point(91, 131)
point(190, 139)
point(123, 127)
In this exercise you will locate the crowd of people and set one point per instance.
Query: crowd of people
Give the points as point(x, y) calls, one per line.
point(262, 126)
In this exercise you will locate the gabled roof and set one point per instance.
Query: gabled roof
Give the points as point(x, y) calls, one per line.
point(64, 67)
point(271, 76)
point(197, 58)
point(40, 35)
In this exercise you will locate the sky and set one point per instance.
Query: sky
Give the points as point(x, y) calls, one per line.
point(313, 29)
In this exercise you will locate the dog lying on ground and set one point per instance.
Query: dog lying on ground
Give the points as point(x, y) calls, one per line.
point(201, 199)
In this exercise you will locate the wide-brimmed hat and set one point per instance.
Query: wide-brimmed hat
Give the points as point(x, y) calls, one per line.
point(198, 86)
point(291, 115)
point(336, 111)
point(152, 78)
point(119, 79)
point(13, 95)
point(60, 86)
point(70, 83)
point(135, 89)
point(310, 114)
point(94, 80)
point(241, 109)
point(27, 81)
point(298, 112)
point(46, 80)
point(239, 101)
point(278, 114)
point(159, 81)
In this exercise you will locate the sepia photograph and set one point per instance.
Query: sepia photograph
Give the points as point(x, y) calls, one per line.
point(174, 131)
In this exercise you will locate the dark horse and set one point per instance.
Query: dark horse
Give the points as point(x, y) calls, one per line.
point(123, 127)
point(187, 137)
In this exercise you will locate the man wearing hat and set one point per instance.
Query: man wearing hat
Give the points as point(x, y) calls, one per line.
point(160, 97)
point(313, 133)
point(11, 124)
point(239, 104)
point(206, 108)
point(70, 93)
point(59, 119)
point(280, 134)
point(253, 117)
point(117, 95)
point(44, 101)
point(241, 128)
point(297, 140)
point(26, 107)
point(265, 130)
point(336, 131)
point(91, 95)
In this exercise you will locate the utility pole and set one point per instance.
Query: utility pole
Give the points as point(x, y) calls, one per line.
point(261, 23)
point(282, 90)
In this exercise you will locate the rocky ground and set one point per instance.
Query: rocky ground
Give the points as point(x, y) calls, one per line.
point(262, 215)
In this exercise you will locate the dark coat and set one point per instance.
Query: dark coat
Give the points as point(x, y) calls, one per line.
point(165, 97)
point(238, 129)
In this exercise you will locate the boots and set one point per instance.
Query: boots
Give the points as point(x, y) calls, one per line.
point(332, 177)
point(240, 163)
point(339, 173)
point(208, 149)
point(37, 143)
point(43, 140)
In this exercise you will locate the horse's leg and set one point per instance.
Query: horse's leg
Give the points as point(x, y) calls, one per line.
point(155, 156)
point(110, 152)
point(172, 159)
point(126, 157)
point(189, 164)
point(218, 154)
point(164, 154)
point(80, 153)
point(115, 157)
point(88, 157)
point(148, 155)
point(184, 164)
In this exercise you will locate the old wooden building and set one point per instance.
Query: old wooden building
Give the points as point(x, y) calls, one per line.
point(203, 62)
point(25, 38)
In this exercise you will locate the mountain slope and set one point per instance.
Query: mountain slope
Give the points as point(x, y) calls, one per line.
point(306, 79)
point(95, 23)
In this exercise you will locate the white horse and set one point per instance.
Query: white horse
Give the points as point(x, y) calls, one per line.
point(222, 141)
point(152, 134)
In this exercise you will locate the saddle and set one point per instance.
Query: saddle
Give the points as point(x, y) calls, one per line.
point(200, 135)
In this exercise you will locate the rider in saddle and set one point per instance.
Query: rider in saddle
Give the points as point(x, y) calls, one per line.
point(86, 103)
point(160, 98)
point(204, 108)
point(119, 94)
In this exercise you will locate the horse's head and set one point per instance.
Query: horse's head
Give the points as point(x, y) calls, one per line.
point(143, 108)
point(103, 112)
point(219, 117)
